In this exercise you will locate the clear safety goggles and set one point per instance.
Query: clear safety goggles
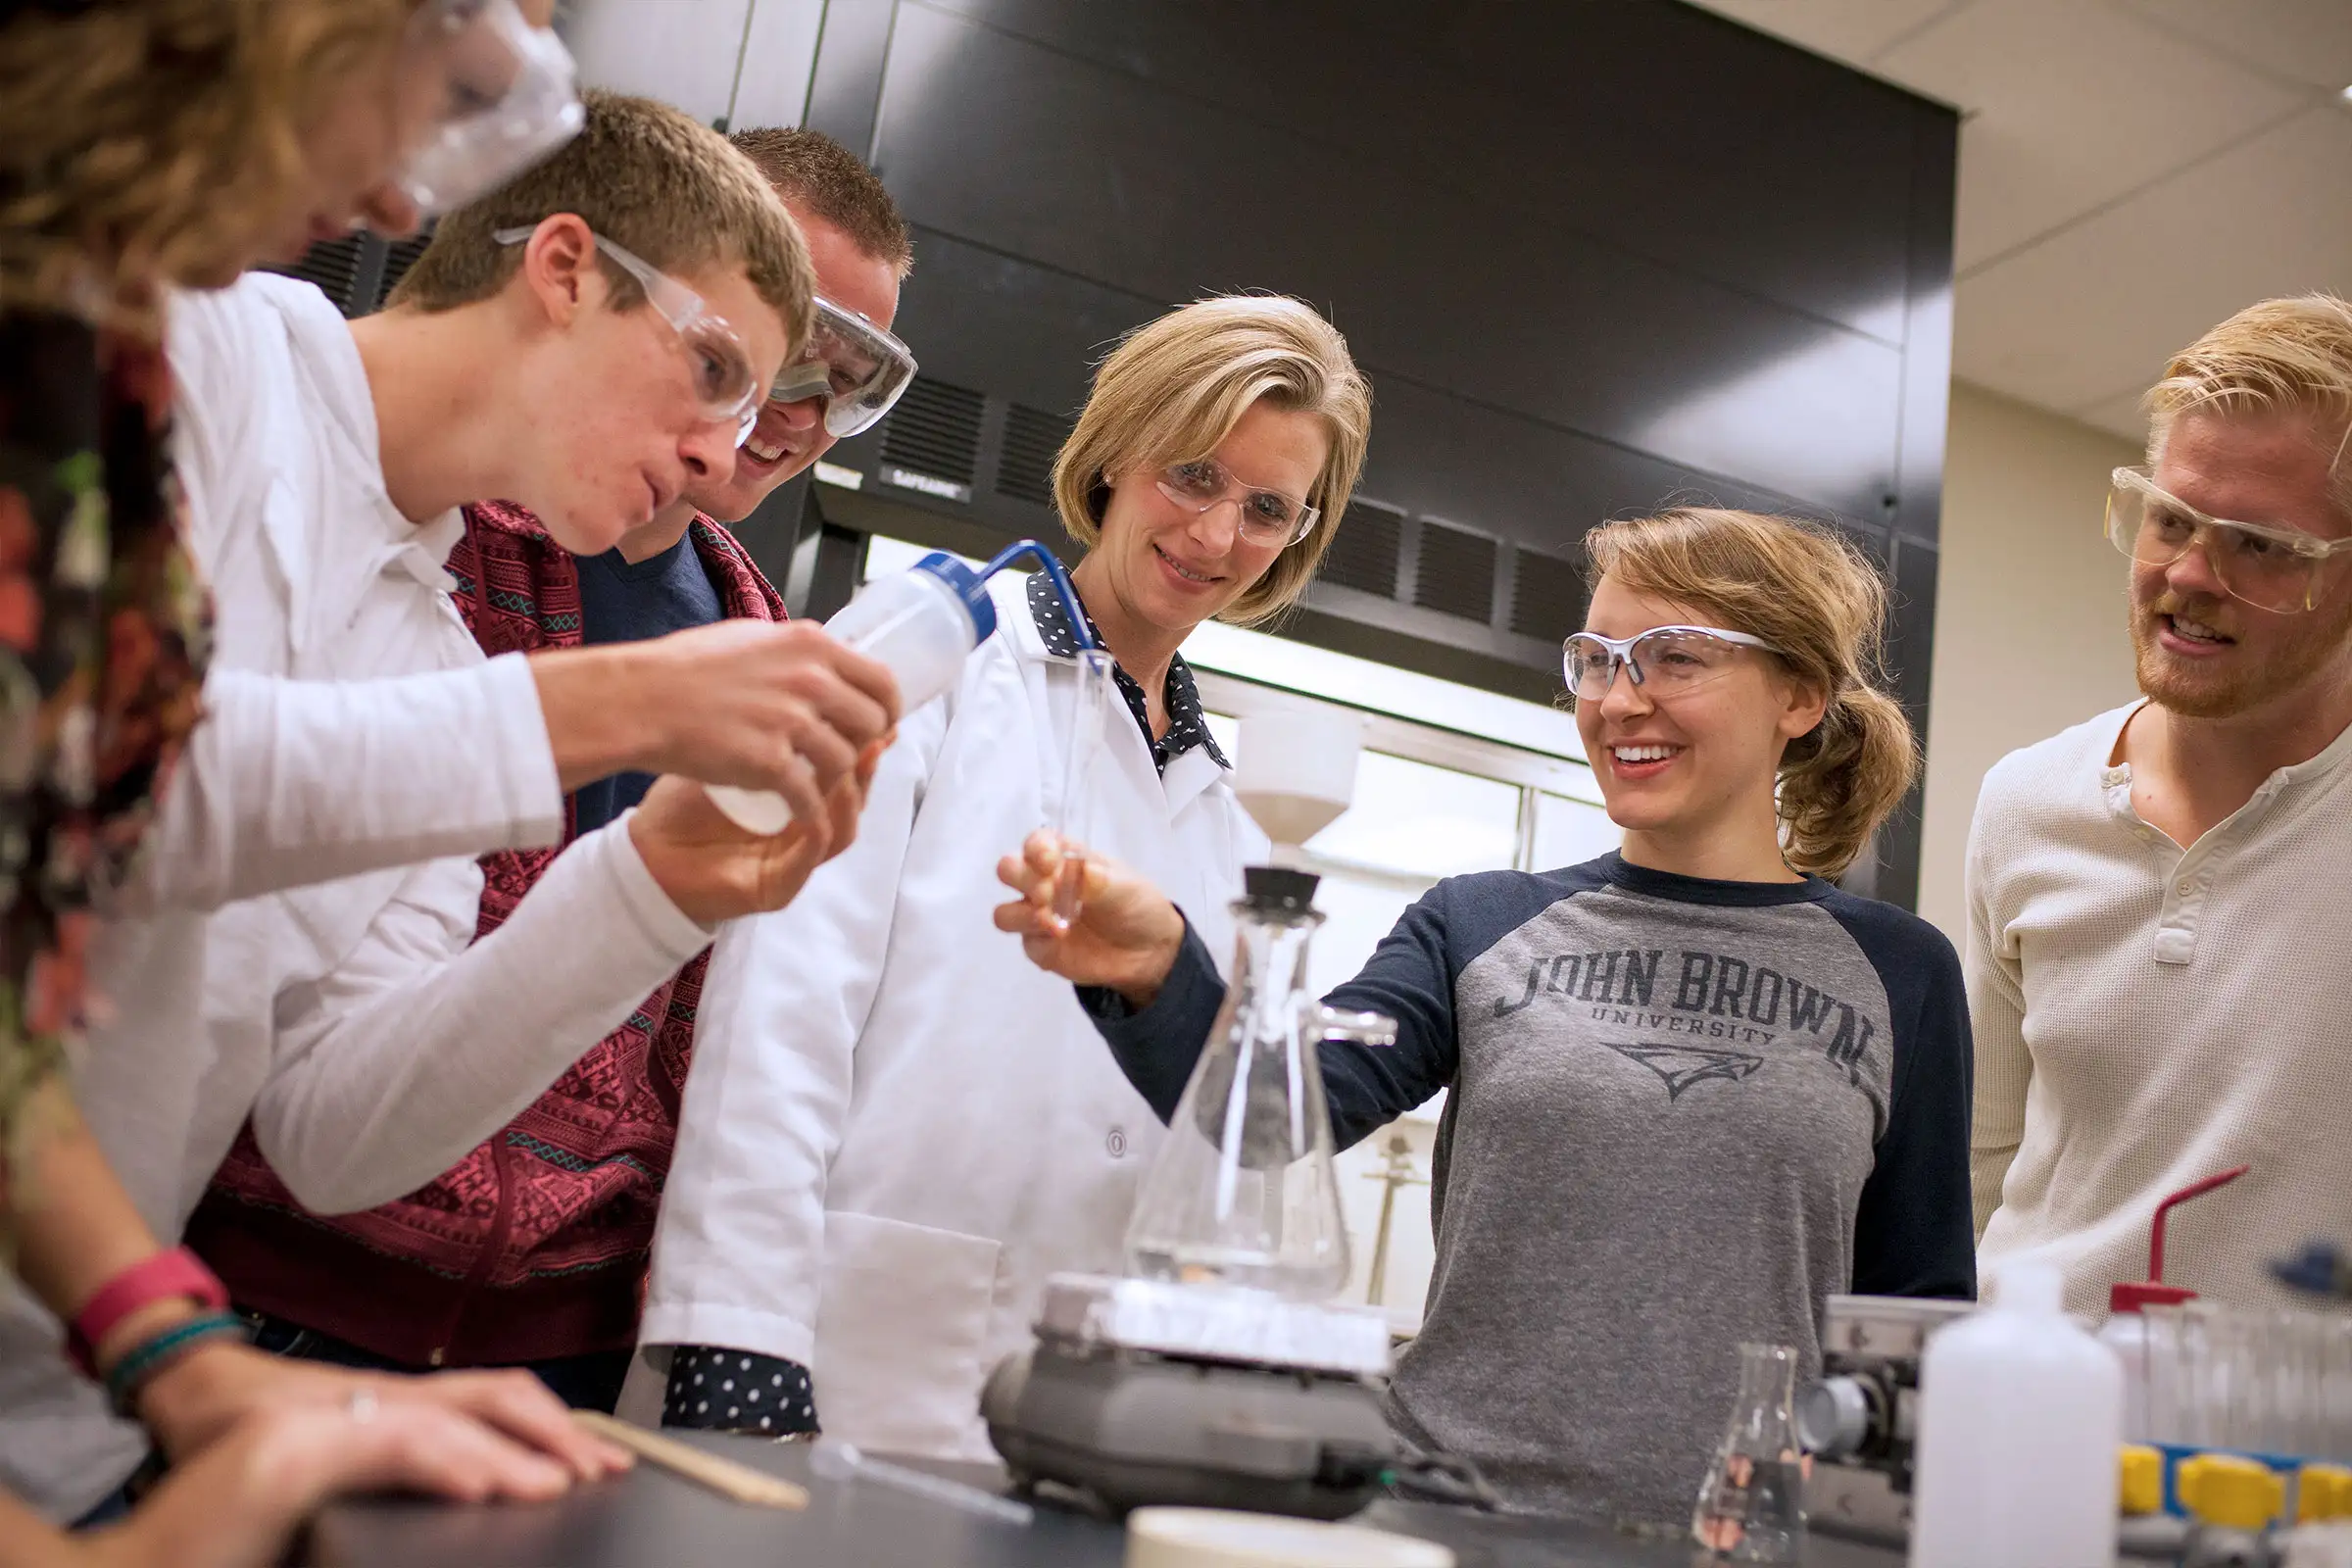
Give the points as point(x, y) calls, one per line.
point(1267, 517)
point(2269, 565)
point(857, 368)
point(1664, 660)
point(511, 100)
point(724, 382)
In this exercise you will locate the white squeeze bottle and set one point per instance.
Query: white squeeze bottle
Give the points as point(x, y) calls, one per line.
point(920, 622)
point(2020, 1418)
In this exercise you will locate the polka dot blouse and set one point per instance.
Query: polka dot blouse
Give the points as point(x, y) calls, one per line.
point(1186, 727)
point(718, 1390)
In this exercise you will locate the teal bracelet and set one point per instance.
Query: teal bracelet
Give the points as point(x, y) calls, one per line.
point(151, 1357)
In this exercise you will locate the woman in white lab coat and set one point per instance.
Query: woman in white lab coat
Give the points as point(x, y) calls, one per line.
point(895, 1128)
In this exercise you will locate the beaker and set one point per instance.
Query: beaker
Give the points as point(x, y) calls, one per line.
point(1751, 1507)
point(1094, 700)
point(1243, 1191)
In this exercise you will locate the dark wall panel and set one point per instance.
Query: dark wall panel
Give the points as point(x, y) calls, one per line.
point(1172, 197)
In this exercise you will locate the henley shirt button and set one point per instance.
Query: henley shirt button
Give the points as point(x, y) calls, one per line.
point(1116, 1143)
point(2186, 888)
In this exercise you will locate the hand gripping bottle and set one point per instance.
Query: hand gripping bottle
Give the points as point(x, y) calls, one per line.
point(920, 622)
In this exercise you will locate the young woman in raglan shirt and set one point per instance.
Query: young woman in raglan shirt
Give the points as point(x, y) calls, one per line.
point(1695, 1087)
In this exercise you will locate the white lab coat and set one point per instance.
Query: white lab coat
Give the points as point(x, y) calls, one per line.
point(895, 1127)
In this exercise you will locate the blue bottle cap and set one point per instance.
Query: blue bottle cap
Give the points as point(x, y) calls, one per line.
point(969, 587)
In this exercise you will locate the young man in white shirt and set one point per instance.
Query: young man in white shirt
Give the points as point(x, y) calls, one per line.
point(606, 368)
point(2147, 890)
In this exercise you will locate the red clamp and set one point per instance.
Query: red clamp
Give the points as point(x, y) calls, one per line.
point(160, 1278)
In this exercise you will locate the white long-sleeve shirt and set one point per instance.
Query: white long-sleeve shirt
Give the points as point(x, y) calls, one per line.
point(2147, 1016)
point(354, 1020)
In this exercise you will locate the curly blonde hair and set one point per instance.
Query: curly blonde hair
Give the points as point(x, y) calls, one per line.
point(157, 141)
point(1819, 601)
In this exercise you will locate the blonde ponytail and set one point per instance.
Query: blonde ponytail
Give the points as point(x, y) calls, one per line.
point(1805, 589)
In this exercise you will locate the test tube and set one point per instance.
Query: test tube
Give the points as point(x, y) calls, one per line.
point(836, 1460)
point(1090, 709)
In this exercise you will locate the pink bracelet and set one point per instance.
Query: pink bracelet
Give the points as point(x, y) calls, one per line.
point(160, 1278)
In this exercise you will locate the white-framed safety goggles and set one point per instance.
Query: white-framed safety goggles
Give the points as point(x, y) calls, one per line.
point(1664, 660)
point(857, 368)
point(724, 382)
point(512, 99)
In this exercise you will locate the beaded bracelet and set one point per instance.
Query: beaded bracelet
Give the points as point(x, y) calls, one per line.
point(150, 1356)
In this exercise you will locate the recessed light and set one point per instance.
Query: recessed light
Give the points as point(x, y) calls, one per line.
point(2347, 95)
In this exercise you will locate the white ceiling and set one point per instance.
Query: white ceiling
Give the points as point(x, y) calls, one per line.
point(2130, 170)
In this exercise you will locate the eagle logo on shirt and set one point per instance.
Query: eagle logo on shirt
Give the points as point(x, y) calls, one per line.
point(1681, 1067)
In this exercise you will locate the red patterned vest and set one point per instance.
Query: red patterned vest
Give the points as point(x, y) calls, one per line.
point(534, 1245)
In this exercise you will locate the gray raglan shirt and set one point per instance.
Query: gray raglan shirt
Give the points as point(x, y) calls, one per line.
point(1682, 1114)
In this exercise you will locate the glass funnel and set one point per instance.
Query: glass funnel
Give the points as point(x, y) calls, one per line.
point(1242, 1191)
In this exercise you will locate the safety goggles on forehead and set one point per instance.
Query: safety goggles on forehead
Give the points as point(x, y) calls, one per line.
point(1663, 661)
point(2269, 565)
point(508, 102)
point(854, 366)
point(724, 382)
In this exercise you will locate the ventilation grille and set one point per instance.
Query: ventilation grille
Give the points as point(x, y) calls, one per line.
point(1032, 441)
point(1364, 552)
point(935, 431)
point(1548, 597)
point(1458, 572)
point(334, 266)
point(398, 259)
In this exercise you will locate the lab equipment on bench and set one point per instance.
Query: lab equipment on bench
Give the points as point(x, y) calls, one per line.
point(1221, 1374)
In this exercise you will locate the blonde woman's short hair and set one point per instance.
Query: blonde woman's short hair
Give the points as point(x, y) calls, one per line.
point(649, 177)
point(1175, 387)
point(2280, 357)
point(159, 141)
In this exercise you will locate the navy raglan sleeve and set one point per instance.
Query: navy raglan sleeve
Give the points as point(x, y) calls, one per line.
point(1913, 1231)
point(1408, 979)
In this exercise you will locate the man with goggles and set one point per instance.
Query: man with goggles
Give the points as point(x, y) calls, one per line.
point(557, 1286)
point(2150, 894)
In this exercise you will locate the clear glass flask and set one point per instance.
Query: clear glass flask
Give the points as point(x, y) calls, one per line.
point(1751, 1507)
point(1242, 1191)
point(1096, 698)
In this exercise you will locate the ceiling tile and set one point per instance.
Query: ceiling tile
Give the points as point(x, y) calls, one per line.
point(2073, 103)
point(1851, 30)
point(2306, 41)
point(2074, 322)
point(2118, 415)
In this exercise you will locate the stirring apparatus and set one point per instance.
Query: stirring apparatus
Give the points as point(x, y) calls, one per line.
point(1220, 1374)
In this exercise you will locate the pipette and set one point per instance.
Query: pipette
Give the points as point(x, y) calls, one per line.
point(1092, 706)
point(835, 1461)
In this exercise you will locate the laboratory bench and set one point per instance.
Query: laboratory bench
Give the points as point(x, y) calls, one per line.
point(651, 1518)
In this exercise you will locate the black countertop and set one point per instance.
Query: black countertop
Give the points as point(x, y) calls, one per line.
point(652, 1519)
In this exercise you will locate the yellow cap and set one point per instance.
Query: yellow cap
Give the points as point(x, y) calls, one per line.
point(2143, 1480)
point(2224, 1489)
point(2323, 1491)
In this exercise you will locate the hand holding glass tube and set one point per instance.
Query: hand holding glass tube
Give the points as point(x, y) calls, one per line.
point(1096, 699)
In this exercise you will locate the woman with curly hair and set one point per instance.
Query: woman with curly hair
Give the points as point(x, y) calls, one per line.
point(1695, 1087)
point(147, 145)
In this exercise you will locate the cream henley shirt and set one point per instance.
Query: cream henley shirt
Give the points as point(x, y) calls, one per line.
point(2147, 1016)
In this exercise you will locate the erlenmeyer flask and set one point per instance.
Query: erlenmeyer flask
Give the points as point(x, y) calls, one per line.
point(1751, 1507)
point(1243, 1191)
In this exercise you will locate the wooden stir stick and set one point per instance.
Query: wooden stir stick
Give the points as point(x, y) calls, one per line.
point(723, 1476)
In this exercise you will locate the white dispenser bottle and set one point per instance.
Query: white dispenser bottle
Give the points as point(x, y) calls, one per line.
point(2020, 1418)
point(920, 622)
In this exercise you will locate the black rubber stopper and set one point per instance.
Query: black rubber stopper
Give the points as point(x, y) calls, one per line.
point(1278, 887)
